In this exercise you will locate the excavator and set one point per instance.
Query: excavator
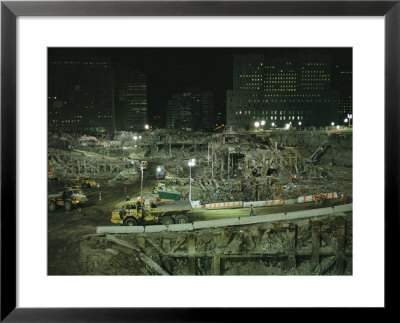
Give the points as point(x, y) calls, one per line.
point(316, 154)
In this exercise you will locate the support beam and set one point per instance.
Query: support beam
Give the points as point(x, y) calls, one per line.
point(316, 241)
point(216, 262)
point(340, 238)
point(191, 256)
point(291, 245)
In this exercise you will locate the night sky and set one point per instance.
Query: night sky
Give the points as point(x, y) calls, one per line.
point(172, 70)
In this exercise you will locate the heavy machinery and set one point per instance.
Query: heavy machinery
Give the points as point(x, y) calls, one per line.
point(160, 172)
point(134, 213)
point(317, 154)
point(83, 181)
point(68, 198)
point(160, 186)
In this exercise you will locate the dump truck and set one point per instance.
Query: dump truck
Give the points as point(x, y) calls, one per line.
point(68, 199)
point(134, 213)
point(83, 181)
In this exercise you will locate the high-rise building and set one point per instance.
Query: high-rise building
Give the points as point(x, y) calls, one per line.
point(343, 78)
point(281, 91)
point(80, 95)
point(130, 90)
point(192, 109)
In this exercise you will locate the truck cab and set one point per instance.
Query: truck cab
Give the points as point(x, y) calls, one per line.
point(130, 214)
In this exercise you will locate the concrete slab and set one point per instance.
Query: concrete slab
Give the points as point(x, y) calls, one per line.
point(181, 227)
point(120, 229)
point(319, 212)
point(156, 228)
point(215, 223)
point(262, 218)
point(290, 202)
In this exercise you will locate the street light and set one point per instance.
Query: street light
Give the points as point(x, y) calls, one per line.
point(273, 124)
point(350, 116)
point(146, 127)
point(300, 124)
point(257, 124)
point(141, 182)
point(191, 163)
point(262, 124)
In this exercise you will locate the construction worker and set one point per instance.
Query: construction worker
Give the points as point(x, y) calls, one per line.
point(252, 210)
point(342, 197)
point(320, 198)
point(323, 199)
point(316, 199)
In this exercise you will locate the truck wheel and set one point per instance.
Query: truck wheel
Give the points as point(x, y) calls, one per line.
point(52, 206)
point(181, 219)
point(130, 222)
point(68, 205)
point(167, 220)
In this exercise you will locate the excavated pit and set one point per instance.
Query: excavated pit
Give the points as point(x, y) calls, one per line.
point(250, 166)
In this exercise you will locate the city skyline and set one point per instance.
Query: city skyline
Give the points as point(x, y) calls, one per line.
point(170, 71)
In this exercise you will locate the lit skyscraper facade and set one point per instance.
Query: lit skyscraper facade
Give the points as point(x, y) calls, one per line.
point(192, 109)
point(80, 95)
point(343, 78)
point(130, 99)
point(281, 91)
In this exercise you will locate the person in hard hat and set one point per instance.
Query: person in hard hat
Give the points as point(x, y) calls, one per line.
point(342, 197)
point(323, 199)
point(252, 210)
point(316, 199)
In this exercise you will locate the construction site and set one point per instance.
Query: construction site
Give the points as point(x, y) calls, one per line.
point(160, 202)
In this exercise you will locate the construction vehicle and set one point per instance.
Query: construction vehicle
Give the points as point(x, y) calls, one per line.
point(160, 172)
point(160, 186)
point(83, 181)
point(68, 199)
point(134, 213)
point(317, 153)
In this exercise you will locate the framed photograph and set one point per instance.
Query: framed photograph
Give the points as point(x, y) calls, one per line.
point(194, 152)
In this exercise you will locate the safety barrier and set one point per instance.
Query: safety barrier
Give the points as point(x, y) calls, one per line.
point(223, 205)
point(196, 205)
point(311, 198)
point(263, 203)
point(297, 215)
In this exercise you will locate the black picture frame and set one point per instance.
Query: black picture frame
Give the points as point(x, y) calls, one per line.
point(10, 10)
